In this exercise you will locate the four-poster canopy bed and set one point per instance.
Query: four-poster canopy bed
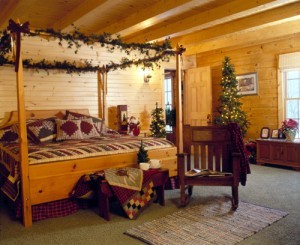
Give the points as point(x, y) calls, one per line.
point(43, 180)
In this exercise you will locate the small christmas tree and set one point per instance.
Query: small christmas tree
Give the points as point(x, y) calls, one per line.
point(230, 105)
point(142, 154)
point(157, 126)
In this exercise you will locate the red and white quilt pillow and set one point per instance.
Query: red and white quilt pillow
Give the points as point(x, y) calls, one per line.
point(75, 129)
point(68, 129)
point(88, 129)
point(98, 122)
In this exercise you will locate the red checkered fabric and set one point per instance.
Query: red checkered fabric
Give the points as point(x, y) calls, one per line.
point(133, 202)
point(54, 209)
point(139, 200)
point(239, 146)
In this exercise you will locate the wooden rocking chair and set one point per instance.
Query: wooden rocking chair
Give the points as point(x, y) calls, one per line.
point(210, 150)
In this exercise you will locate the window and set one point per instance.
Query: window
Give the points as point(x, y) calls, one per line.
point(168, 97)
point(289, 88)
point(291, 95)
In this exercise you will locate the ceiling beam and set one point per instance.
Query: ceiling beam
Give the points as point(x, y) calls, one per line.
point(218, 15)
point(8, 8)
point(249, 38)
point(260, 20)
point(81, 10)
point(149, 16)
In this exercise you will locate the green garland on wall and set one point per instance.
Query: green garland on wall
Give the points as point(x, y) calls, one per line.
point(152, 53)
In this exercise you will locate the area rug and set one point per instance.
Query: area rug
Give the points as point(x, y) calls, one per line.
point(210, 223)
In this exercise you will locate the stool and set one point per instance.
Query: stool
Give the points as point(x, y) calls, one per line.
point(104, 191)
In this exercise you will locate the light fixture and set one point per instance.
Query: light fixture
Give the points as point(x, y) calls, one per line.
point(147, 76)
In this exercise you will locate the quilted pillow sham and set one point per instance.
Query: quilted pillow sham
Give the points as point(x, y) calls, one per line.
point(98, 122)
point(76, 129)
point(68, 130)
point(9, 134)
point(88, 129)
point(43, 130)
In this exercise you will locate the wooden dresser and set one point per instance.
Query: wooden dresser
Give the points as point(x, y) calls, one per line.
point(279, 152)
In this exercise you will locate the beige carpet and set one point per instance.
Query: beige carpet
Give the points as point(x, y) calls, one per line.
point(212, 223)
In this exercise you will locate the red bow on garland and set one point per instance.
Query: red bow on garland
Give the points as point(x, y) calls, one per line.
point(18, 28)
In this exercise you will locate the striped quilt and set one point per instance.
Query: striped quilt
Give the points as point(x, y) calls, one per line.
point(67, 150)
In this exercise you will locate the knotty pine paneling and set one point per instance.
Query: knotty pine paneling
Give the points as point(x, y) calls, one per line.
point(59, 90)
point(262, 109)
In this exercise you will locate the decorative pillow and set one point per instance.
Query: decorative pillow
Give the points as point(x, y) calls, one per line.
point(88, 129)
point(42, 130)
point(68, 129)
point(98, 123)
point(9, 134)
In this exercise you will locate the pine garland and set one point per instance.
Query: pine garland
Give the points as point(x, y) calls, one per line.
point(152, 53)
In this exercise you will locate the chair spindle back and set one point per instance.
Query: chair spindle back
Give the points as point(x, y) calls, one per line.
point(209, 145)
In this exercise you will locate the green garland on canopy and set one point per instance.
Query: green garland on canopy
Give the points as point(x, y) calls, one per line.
point(153, 53)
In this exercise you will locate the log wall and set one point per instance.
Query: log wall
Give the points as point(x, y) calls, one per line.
point(56, 89)
point(262, 109)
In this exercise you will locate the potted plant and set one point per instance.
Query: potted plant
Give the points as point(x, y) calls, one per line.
point(142, 155)
point(289, 128)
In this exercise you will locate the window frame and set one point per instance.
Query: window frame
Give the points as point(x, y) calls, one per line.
point(169, 75)
point(282, 95)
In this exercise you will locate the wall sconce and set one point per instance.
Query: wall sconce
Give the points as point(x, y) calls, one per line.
point(147, 76)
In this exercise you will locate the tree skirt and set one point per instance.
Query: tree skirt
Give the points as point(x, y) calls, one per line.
point(212, 223)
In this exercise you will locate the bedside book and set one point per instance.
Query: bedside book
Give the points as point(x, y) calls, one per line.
point(205, 172)
point(197, 172)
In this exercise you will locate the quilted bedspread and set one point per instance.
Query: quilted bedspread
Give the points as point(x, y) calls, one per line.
point(67, 150)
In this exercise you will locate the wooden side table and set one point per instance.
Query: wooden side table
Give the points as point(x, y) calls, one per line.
point(279, 152)
point(104, 191)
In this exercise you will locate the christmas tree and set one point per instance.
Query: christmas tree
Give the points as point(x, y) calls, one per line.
point(157, 126)
point(142, 154)
point(230, 106)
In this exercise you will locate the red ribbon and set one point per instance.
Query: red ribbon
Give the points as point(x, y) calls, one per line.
point(18, 28)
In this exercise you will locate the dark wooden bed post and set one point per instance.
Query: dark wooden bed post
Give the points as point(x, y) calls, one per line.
point(17, 29)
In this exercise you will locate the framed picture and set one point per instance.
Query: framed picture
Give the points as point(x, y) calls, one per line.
point(247, 84)
point(274, 134)
point(122, 118)
point(265, 133)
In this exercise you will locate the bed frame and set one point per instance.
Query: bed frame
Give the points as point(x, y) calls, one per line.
point(48, 182)
point(55, 180)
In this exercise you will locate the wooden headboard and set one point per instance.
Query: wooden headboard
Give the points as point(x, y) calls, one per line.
point(37, 114)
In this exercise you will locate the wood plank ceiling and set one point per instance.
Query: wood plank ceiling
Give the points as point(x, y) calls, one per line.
point(199, 25)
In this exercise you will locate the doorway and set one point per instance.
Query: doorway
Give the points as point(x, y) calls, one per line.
point(169, 103)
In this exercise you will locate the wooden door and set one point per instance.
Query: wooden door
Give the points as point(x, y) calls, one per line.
point(197, 96)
